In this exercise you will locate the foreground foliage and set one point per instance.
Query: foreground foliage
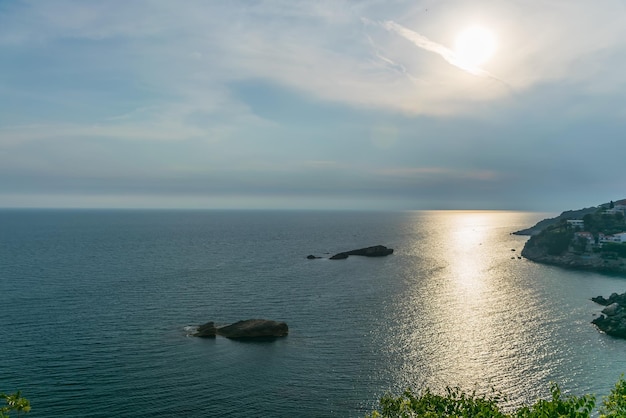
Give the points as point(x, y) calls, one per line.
point(458, 404)
point(14, 402)
point(614, 405)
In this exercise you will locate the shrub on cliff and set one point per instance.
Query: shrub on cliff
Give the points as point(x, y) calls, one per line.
point(14, 402)
point(614, 405)
point(454, 403)
point(458, 404)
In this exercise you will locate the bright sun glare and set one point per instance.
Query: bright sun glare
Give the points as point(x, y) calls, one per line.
point(475, 45)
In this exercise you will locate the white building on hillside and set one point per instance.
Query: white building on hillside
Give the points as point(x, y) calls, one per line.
point(577, 223)
point(619, 237)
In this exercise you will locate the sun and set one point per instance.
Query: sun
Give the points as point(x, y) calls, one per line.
point(474, 46)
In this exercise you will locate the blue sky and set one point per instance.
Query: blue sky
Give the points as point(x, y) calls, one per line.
point(299, 104)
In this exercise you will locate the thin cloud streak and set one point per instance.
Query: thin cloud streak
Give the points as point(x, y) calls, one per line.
point(438, 172)
point(446, 53)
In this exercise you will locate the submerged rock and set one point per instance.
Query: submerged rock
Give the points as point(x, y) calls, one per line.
point(375, 251)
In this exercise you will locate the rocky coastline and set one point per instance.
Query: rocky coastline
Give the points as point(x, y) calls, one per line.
point(577, 261)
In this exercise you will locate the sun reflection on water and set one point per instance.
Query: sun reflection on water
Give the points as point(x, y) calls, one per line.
point(465, 315)
point(468, 285)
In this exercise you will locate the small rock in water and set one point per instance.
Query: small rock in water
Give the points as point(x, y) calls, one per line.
point(375, 251)
point(254, 328)
point(250, 328)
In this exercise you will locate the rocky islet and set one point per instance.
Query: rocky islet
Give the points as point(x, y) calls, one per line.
point(249, 328)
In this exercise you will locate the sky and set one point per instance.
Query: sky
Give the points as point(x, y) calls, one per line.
point(325, 104)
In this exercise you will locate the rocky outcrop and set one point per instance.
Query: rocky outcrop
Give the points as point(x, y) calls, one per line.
point(254, 328)
point(207, 330)
point(375, 251)
point(613, 318)
point(614, 298)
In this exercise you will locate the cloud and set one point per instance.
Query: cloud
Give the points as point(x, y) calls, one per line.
point(321, 49)
point(438, 172)
point(282, 96)
point(422, 42)
point(446, 53)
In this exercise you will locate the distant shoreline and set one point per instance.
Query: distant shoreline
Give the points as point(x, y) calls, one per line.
point(554, 241)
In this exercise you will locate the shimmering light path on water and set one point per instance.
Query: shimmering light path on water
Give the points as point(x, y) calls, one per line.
point(95, 305)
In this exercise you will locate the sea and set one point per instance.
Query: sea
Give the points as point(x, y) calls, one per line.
point(96, 308)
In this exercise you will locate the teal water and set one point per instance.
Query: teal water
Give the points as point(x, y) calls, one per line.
point(95, 304)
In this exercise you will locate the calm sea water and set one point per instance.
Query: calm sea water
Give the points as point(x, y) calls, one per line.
point(95, 304)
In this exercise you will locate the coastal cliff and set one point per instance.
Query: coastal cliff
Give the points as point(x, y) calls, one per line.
point(591, 239)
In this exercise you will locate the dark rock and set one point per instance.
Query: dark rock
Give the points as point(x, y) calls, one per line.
point(614, 326)
point(613, 320)
point(600, 300)
point(612, 310)
point(312, 257)
point(614, 298)
point(206, 330)
point(375, 251)
point(254, 328)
